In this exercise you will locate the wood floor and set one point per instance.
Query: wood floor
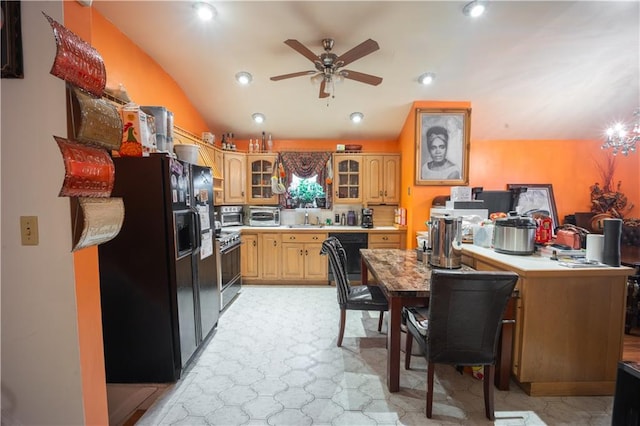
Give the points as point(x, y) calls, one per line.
point(631, 351)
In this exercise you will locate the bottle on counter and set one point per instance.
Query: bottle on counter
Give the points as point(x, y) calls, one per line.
point(343, 219)
point(263, 148)
point(270, 143)
point(336, 220)
point(250, 145)
point(351, 218)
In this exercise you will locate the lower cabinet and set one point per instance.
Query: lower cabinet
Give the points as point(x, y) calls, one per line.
point(249, 256)
point(270, 256)
point(384, 241)
point(301, 259)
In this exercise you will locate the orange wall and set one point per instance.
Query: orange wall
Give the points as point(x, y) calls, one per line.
point(569, 165)
point(145, 81)
point(87, 281)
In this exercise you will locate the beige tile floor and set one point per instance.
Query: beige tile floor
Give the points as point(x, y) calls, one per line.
point(273, 360)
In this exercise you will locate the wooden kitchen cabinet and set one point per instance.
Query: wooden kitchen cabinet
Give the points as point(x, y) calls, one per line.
point(235, 173)
point(381, 183)
point(347, 178)
point(259, 172)
point(270, 256)
point(301, 259)
point(218, 187)
point(249, 256)
point(384, 241)
point(568, 334)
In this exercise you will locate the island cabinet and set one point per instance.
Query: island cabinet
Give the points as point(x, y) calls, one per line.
point(235, 171)
point(569, 329)
point(301, 259)
point(347, 178)
point(259, 172)
point(381, 183)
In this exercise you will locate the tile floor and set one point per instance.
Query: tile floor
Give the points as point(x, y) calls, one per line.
point(273, 360)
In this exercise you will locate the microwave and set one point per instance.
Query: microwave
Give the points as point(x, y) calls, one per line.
point(264, 216)
point(230, 215)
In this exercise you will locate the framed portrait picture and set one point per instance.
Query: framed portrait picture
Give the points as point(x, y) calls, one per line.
point(442, 146)
point(537, 199)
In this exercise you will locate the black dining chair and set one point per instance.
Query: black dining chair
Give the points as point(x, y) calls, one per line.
point(350, 297)
point(462, 324)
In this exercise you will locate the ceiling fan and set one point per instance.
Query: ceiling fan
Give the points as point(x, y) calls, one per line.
point(329, 65)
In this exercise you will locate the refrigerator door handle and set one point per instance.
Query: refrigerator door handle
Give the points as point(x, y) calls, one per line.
point(198, 229)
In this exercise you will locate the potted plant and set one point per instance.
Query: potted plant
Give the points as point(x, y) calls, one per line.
point(306, 193)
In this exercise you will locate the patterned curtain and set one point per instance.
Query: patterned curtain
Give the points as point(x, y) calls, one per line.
point(305, 165)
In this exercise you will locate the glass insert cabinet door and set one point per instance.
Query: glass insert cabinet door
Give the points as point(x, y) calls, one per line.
point(348, 175)
point(260, 171)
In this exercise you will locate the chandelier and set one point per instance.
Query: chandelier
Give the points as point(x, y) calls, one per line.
point(620, 140)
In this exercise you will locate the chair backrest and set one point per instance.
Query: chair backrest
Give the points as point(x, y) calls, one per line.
point(338, 264)
point(465, 315)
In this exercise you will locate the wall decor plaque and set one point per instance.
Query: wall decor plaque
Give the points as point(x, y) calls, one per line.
point(89, 171)
point(76, 61)
point(97, 221)
point(95, 121)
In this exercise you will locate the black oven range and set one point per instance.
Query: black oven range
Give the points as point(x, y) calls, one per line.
point(228, 258)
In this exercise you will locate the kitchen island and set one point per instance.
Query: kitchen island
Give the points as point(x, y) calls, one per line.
point(568, 335)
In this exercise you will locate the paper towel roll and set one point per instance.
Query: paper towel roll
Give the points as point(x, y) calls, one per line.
point(595, 247)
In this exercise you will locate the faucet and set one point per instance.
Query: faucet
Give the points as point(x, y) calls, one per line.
point(306, 218)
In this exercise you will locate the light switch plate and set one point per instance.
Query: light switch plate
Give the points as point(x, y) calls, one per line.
point(29, 230)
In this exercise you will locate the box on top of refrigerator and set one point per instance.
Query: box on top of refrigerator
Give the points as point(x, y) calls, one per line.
point(138, 135)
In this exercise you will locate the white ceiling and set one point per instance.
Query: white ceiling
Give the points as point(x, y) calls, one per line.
point(531, 69)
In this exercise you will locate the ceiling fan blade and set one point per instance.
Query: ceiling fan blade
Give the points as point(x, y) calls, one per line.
point(293, 74)
point(361, 77)
point(323, 85)
point(363, 49)
point(302, 49)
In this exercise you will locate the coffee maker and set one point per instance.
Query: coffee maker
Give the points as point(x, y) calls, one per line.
point(367, 218)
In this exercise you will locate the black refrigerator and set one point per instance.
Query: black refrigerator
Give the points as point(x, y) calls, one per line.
point(158, 288)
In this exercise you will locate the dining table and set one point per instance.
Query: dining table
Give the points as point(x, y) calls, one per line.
point(405, 281)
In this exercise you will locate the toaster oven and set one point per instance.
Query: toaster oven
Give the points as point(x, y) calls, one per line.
point(264, 216)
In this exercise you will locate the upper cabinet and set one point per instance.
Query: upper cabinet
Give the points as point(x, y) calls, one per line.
point(235, 173)
point(259, 172)
point(347, 178)
point(218, 186)
point(381, 182)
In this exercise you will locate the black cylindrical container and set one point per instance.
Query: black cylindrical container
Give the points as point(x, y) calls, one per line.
point(611, 251)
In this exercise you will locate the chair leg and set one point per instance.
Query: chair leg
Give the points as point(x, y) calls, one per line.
point(343, 317)
point(489, 373)
point(380, 321)
point(431, 368)
point(407, 350)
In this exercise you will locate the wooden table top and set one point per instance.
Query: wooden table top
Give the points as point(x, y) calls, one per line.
point(399, 271)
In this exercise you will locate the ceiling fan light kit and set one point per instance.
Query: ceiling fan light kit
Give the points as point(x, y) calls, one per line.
point(205, 11)
point(475, 8)
point(244, 78)
point(328, 65)
point(258, 117)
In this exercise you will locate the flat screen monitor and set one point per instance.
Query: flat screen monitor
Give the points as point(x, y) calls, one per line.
point(496, 201)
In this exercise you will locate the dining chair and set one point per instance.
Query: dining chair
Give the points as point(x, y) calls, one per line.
point(351, 297)
point(461, 325)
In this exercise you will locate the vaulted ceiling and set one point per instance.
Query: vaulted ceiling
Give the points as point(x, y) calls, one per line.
point(531, 69)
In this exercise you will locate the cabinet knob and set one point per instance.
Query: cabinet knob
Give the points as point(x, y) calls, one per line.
point(300, 252)
point(275, 243)
point(254, 243)
point(315, 238)
point(385, 238)
point(385, 193)
point(306, 253)
point(380, 193)
point(292, 237)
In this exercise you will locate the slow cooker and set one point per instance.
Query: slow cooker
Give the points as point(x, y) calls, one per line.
point(515, 235)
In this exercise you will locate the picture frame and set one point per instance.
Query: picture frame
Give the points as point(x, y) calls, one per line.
point(536, 197)
point(11, 32)
point(442, 146)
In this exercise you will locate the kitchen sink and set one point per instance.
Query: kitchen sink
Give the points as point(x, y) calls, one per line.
point(306, 226)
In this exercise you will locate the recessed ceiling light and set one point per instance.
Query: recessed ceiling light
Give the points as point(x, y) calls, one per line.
point(258, 117)
point(426, 78)
point(356, 117)
point(475, 8)
point(205, 11)
point(244, 78)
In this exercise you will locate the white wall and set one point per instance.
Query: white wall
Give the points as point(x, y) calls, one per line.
point(41, 377)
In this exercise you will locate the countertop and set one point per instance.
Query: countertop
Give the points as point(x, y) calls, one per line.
point(324, 228)
point(535, 263)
